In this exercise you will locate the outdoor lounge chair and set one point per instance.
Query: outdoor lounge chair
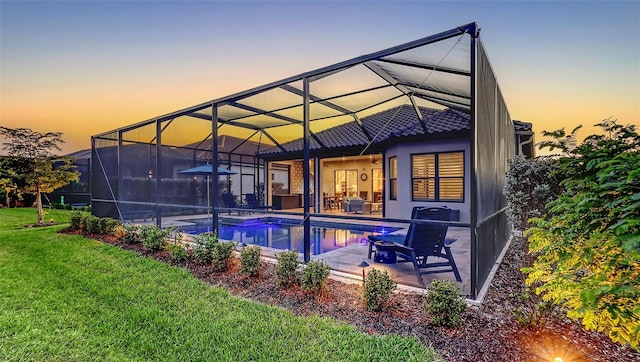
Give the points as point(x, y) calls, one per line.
point(423, 240)
point(229, 201)
point(252, 202)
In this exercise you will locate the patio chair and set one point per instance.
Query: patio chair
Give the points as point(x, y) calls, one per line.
point(253, 203)
point(364, 194)
point(229, 201)
point(377, 196)
point(423, 241)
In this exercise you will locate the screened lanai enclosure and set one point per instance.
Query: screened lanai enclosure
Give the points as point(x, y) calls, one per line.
point(319, 161)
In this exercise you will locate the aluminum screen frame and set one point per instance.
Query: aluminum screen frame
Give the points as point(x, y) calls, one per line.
point(257, 114)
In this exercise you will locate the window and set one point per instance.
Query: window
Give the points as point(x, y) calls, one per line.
point(393, 178)
point(438, 176)
point(346, 183)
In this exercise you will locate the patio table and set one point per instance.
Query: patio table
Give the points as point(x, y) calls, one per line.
point(385, 252)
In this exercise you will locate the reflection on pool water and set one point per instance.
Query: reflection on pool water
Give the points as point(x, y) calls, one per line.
point(285, 234)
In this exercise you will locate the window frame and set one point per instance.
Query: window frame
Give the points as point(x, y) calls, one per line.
point(393, 192)
point(437, 178)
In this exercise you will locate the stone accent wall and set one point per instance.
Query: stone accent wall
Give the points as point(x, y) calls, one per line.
point(297, 178)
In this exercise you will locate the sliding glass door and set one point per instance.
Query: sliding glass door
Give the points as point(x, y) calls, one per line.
point(346, 183)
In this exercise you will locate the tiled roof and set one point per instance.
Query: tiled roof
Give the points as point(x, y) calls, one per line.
point(81, 155)
point(522, 126)
point(396, 122)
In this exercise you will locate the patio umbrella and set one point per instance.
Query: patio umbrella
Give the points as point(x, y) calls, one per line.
point(206, 170)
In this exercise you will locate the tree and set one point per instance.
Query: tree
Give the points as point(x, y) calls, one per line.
point(587, 248)
point(7, 180)
point(33, 166)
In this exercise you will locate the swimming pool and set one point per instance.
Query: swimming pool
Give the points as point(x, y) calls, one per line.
point(287, 234)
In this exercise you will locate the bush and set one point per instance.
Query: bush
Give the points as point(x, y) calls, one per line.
point(84, 226)
point(76, 220)
point(203, 250)
point(588, 248)
point(377, 289)
point(102, 225)
point(444, 303)
point(530, 186)
point(91, 224)
point(221, 254)
point(118, 231)
point(177, 251)
point(314, 275)
point(153, 237)
point(286, 268)
point(111, 226)
point(250, 260)
point(131, 234)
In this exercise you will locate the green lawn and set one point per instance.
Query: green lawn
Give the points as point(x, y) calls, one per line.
point(69, 298)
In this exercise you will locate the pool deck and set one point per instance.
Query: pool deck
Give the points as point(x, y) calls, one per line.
point(344, 260)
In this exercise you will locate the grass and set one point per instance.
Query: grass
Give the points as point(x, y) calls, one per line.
point(69, 298)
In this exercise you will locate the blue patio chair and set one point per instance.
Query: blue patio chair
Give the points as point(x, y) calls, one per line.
point(423, 241)
point(252, 202)
point(229, 201)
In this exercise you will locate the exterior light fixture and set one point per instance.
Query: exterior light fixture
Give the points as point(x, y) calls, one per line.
point(363, 265)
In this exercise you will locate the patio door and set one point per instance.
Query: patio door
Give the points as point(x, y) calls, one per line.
point(376, 184)
point(346, 183)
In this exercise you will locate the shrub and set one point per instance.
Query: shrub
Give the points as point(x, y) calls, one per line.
point(530, 186)
point(203, 250)
point(286, 268)
point(76, 220)
point(131, 233)
point(221, 254)
point(118, 231)
point(91, 224)
point(588, 248)
point(444, 303)
point(377, 289)
point(84, 226)
point(250, 260)
point(314, 275)
point(153, 237)
point(102, 225)
point(111, 226)
point(177, 251)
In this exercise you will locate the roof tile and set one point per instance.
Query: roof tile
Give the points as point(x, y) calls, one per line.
point(395, 122)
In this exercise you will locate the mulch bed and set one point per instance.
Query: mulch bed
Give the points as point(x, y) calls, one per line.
point(495, 331)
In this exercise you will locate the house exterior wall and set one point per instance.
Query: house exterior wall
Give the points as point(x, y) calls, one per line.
point(401, 208)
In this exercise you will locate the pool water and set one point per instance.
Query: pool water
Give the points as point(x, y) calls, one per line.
point(286, 234)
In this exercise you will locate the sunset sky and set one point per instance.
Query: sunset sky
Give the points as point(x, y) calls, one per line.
point(83, 68)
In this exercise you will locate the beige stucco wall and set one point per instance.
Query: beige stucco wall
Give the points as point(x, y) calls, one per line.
point(401, 208)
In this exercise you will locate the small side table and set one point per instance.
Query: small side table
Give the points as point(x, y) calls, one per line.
point(385, 252)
